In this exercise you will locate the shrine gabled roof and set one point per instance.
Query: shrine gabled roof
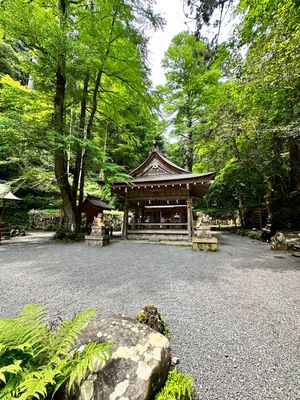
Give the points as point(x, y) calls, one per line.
point(97, 202)
point(157, 172)
point(175, 177)
point(156, 163)
point(198, 184)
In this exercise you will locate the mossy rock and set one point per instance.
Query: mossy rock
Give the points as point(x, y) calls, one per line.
point(150, 316)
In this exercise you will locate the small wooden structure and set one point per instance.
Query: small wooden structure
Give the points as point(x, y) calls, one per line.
point(5, 195)
point(92, 206)
point(160, 197)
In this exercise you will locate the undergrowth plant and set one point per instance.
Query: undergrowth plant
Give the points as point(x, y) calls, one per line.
point(178, 386)
point(36, 359)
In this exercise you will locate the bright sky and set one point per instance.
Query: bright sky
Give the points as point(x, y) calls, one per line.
point(172, 11)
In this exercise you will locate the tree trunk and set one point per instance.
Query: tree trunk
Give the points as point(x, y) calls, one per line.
point(87, 133)
point(82, 129)
point(190, 147)
point(87, 124)
point(294, 148)
point(242, 211)
point(60, 158)
point(268, 197)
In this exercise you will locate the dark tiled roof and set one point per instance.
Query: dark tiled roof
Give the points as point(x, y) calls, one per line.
point(97, 202)
point(175, 177)
point(171, 163)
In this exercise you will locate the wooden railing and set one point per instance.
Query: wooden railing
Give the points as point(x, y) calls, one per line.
point(157, 225)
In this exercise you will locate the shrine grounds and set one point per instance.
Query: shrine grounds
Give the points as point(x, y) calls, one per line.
point(233, 315)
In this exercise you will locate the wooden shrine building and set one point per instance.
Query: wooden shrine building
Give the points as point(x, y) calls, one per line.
point(160, 199)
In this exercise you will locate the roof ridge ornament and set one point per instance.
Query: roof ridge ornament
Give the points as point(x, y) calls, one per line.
point(156, 146)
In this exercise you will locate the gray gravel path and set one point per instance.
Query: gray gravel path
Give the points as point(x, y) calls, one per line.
point(233, 315)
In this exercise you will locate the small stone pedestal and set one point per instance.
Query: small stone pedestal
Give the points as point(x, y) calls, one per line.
point(203, 240)
point(98, 236)
point(208, 244)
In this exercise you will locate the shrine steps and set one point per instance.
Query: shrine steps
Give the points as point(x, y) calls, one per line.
point(159, 236)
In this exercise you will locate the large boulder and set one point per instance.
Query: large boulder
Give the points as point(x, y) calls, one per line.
point(278, 242)
point(138, 367)
point(288, 241)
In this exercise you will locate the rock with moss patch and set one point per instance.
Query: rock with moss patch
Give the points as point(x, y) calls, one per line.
point(278, 242)
point(150, 316)
point(138, 367)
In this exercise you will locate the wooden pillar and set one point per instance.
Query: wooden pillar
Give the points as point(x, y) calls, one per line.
point(189, 203)
point(125, 217)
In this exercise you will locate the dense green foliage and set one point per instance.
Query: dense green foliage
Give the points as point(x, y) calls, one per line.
point(37, 358)
point(78, 119)
point(76, 104)
point(191, 86)
point(179, 386)
point(243, 101)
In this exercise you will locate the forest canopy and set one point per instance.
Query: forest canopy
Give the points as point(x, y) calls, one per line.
point(76, 102)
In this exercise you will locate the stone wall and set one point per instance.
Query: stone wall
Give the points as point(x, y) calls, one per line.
point(114, 219)
point(50, 220)
point(44, 220)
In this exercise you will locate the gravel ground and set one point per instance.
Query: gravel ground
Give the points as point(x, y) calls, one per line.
point(233, 315)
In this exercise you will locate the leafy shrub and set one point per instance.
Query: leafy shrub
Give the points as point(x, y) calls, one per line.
point(16, 212)
point(254, 235)
point(150, 316)
point(62, 233)
point(48, 211)
point(36, 359)
point(178, 386)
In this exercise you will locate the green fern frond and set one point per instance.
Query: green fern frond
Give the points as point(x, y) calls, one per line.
point(91, 359)
point(28, 327)
point(35, 360)
point(36, 384)
point(178, 386)
point(10, 369)
point(69, 331)
point(8, 391)
point(33, 319)
point(3, 348)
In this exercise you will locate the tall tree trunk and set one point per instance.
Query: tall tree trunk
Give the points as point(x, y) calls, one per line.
point(60, 157)
point(87, 133)
point(242, 210)
point(268, 196)
point(90, 121)
point(190, 145)
point(294, 148)
point(190, 152)
point(82, 130)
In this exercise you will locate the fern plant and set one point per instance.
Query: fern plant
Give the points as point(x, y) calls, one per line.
point(178, 386)
point(35, 360)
